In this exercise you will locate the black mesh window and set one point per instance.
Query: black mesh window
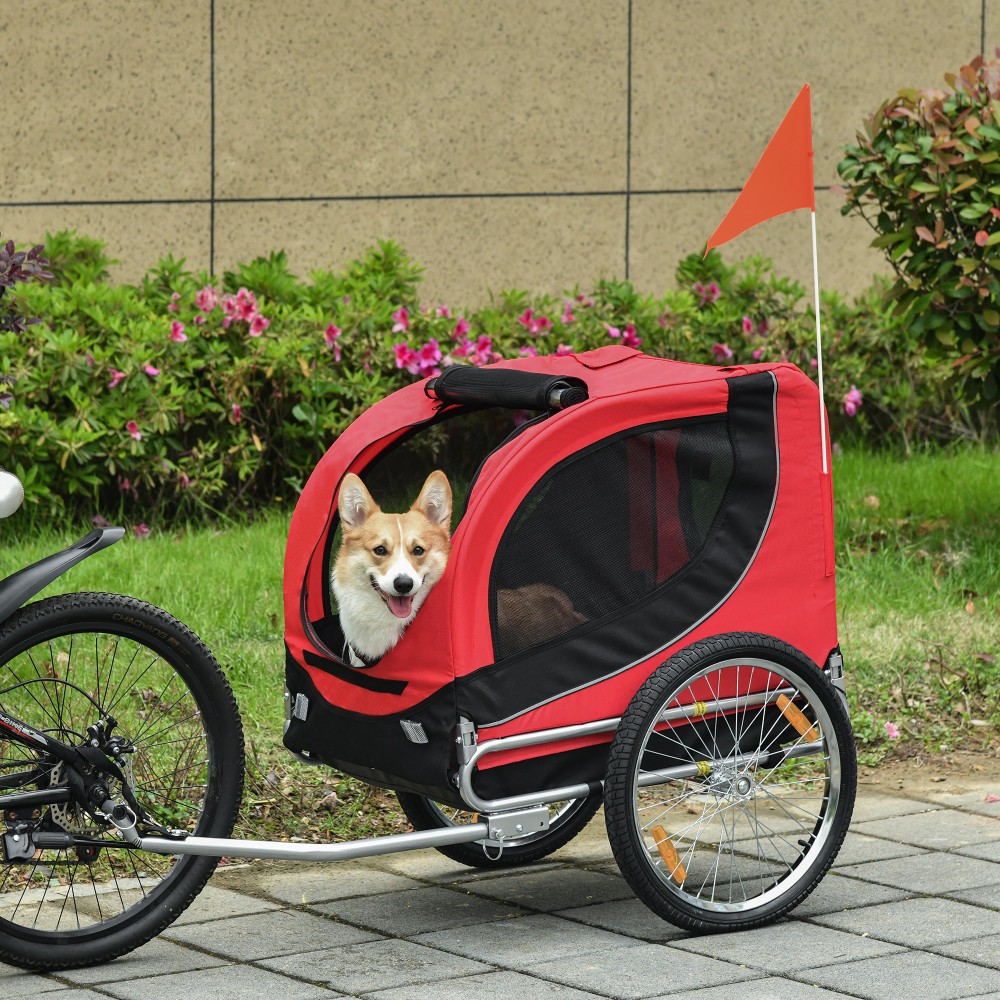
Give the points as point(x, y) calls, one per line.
point(606, 527)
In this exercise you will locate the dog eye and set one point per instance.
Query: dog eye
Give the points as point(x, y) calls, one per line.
point(380, 550)
point(418, 550)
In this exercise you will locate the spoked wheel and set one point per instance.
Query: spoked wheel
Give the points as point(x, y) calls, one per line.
point(730, 783)
point(566, 820)
point(67, 663)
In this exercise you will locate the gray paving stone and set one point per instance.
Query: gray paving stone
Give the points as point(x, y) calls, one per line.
point(987, 896)
point(317, 885)
point(557, 889)
point(378, 965)
point(489, 986)
point(877, 805)
point(156, 958)
point(771, 988)
point(225, 983)
point(625, 916)
point(266, 935)
point(647, 970)
point(74, 994)
point(215, 904)
point(917, 923)
point(786, 946)
point(525, 941)
point(942, 830)
point(988, 852)
point(413, 911)
point(930, 873)
point(979, 950)
point(910, 974)
point(858, 848)
point(27, 982)
point(836, 893)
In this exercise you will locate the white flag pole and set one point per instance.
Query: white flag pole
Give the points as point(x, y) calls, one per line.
point(819, 346)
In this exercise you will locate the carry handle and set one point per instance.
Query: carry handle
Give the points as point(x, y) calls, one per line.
point(506, 387)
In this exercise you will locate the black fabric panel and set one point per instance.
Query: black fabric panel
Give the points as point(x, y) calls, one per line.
point(354, 675)
point(375, 748)
point(513, 390)
point(601, 648)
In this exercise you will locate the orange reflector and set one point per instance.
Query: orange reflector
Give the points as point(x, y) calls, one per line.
point(796, 719)
point(669, 854)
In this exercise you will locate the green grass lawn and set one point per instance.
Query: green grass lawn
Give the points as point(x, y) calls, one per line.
point(919, 603)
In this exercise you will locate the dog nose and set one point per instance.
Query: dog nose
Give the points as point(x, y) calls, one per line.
point(402, 584)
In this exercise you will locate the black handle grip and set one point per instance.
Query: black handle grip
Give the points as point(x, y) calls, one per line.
point(506, 387)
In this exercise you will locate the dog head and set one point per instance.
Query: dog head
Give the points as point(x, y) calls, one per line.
point(388, 563)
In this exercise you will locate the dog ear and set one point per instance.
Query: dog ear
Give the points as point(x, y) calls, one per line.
point(434, 501)
point(354, 502)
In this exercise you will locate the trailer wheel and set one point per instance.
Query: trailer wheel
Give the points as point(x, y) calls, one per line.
point(730, 783)
point(567, 819)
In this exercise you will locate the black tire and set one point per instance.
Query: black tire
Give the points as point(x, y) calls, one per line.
point(66, 662)
point(736, 808)
point(567, 820)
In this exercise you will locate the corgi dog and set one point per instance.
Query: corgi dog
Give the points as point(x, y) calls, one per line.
point(387, 564)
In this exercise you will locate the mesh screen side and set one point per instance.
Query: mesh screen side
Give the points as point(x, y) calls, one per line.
point(604, 528)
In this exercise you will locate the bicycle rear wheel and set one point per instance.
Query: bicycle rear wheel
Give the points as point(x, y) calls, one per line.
point(66, 663)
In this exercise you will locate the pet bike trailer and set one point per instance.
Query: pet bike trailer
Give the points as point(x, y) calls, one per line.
point(639, 609)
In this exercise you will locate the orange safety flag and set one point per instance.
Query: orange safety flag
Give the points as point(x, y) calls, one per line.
point(781, 182)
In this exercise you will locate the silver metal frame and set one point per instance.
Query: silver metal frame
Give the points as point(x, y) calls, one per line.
point(502, 819)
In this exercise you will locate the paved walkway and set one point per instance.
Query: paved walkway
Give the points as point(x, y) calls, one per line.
point(911, 911)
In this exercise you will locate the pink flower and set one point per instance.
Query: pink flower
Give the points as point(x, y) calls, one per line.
point(429, 357)
point(892, 730)
point(258, 325)
point(207, 299)
point(198, 321)
point(982, 237)
point(124, 485)
point(177, 332)
point(461, 328)
point(853, 401)
point(237, 413)
point(762, 327)
point(173, 307)
point(246, 305)
point(116, 377)
point(133, 428)
point(540, 324)
point(747, 325)
point(707, 294)
point(630, 339)
point(813, 363)
point(230, 307)
point(443, 312)
point(664, 320)
point(722, 352)
point(567, 314)
point(183, 481)
point(151, 371)
point(330, 335)
point(525, 319)
point(90, 359)
point(402, 318)
point(584, 301)
point(100, 522)
point(756, 355)
point(484, 352)
point(406, 358)
point(563, 349)
point(140, 531)
point(613, 331)
point(528, 351)
point(464, 349)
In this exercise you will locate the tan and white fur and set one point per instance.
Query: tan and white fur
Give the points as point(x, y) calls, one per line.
point(387, 563)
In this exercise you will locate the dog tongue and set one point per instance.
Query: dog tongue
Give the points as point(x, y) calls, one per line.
point(400, 606)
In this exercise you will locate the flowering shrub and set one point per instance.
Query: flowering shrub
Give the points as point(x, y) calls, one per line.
point(925, 174)
point(187, 397)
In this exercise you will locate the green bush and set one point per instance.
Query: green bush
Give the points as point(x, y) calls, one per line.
point(187, 399)
point(925, 174)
